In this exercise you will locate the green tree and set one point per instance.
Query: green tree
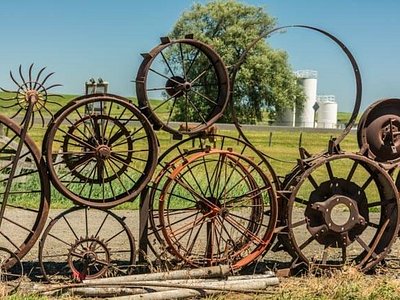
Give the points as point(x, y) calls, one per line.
point(265, 81)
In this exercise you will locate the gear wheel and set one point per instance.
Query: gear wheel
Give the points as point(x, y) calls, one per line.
point(88, 258)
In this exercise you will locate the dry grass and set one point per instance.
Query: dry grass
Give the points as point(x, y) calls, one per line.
point(345, 284)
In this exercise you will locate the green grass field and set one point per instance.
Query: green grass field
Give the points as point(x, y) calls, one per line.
point(282, 145)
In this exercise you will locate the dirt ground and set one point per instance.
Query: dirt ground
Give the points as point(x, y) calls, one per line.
point(131, 219)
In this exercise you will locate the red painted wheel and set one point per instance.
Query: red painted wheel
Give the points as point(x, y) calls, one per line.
point(227, 215)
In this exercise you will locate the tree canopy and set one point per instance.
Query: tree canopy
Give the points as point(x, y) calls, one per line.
point(265, 81)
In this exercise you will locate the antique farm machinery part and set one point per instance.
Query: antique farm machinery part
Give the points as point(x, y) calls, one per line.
point(186, 73)
point(99, 245)
point(225, 215)
point(378, 131)
point(25, 188)
point(101, 150)
point(331, 219)
point(10, 277)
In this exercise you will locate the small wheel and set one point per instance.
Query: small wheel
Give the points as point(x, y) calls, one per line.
point(192, 82)
point(378, 131)
point(101, 151)
point(83, 243)
point(342, 210)
point(26, 204)
point(227, 217)
point(10, 277)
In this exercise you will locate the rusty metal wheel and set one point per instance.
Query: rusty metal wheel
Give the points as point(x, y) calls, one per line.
point(101, 151)
point(184, 73)
point(25, 195)
point(342, 209)
point(86, 243)
point(177, 155)
point(226, 215)
point(378, 131)
point(10, 278)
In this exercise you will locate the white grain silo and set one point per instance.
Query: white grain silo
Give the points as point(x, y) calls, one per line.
point(308, 80)
point(327, 111)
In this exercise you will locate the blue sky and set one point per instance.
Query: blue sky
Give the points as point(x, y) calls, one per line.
point(83, 39)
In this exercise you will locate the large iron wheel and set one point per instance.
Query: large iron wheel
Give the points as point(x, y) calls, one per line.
point(225, 216)
point(101, 151)
point(177, 155)
point(86, 243)
point(26, 203)
point(341, 210)
point(187, 74)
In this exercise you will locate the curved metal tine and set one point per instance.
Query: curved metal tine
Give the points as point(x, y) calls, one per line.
point(30, 76)
point(23, 119)
point(32, 120)
point(51, 114)
point(14, 115)
point(45, 79)
point(9, 106)
point(6, 91)
point(41, 117)
point(13, 79)
point(20, 74)
point(52, 86)
point(38, 77)
point(55, 95)
point(8, 99)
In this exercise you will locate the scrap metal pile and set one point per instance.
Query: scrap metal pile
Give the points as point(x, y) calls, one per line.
point(207, 200)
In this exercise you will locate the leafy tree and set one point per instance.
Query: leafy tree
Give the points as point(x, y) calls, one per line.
point(265, 81)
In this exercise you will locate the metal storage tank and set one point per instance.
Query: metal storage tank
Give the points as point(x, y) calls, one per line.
point(327, 112)
point(308, 80)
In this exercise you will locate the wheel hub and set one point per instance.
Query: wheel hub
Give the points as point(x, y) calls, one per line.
point(337, 213)
point(177, 86)
point(103, 152)
point(211, 207)
point(88, 258)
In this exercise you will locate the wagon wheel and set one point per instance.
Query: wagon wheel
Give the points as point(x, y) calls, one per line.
point(186, 74)
point(25, 195)
point(226, 217)
point(378, 131)
point(177, 155)
point(101, 151)
point(342, 210)
point(83, 243)
point(10, 278)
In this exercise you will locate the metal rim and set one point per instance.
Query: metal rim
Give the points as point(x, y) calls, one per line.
point(116, 156)
point(180, 87)
point(377, 131)
point(39, 190)
point(79, 240)
point(349, 55)
point(226, 242)
point(10, 277)
point(358, 232)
